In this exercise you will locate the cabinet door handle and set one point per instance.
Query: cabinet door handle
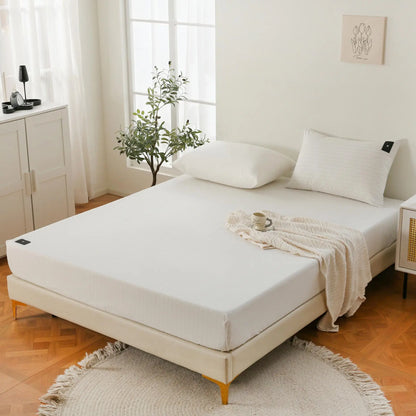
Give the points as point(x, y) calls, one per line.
point(33, 180)
point(27, 180)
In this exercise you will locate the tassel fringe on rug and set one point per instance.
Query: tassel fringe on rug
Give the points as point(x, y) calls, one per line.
point(366, 386)
point(57, 393)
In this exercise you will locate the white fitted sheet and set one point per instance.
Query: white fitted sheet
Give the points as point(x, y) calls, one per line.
point(163, 257)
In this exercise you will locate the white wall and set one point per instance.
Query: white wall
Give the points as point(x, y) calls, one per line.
point(279, 71)
point(96, 169)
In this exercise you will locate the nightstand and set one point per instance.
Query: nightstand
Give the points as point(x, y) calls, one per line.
point(406, 241)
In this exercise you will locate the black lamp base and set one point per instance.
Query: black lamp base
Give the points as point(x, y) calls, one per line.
point(28, 105)
point(34, 101)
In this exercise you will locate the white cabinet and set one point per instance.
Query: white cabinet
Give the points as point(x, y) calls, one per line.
point(15, 200)
point(35, 180)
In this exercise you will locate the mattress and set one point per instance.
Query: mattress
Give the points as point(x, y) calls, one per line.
point(163, 257)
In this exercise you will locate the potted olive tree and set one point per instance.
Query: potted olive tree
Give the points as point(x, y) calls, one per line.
point(147, 139)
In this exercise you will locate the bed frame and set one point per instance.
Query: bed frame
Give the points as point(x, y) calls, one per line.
point(217, 366)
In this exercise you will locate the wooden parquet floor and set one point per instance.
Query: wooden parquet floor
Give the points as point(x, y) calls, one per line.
point(380, 339)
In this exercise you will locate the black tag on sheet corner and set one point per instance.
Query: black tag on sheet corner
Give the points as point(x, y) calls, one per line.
point(387, 146)
point(22, 241)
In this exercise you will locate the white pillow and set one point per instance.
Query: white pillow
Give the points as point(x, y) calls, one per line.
point(234, 164)
point(346, 167)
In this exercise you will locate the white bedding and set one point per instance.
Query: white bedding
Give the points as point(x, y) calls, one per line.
point(163, 257)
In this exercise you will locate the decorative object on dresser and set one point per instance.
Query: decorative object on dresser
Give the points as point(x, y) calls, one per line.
point(406, 241)
point(35, 186)
point(23, 77)
point(16, 100)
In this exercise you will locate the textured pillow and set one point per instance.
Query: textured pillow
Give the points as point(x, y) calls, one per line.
point(346, 167)
point(234, 164)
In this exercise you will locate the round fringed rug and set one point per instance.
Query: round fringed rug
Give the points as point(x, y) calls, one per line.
point(296, 379)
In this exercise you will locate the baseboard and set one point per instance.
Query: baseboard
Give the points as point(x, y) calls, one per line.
point(117, 193)
point(97, 193)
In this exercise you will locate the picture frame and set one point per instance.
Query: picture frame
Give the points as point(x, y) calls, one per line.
point(363, 39)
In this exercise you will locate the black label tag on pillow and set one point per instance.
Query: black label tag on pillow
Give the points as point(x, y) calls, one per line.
point(22, 241)
point(387, 146)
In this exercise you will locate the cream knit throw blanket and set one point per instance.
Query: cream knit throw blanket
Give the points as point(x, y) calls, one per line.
point(341, 252)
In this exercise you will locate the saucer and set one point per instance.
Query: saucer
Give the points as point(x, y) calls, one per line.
point(264, 229)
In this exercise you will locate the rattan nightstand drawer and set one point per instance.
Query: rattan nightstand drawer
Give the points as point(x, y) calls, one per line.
point(407, 240)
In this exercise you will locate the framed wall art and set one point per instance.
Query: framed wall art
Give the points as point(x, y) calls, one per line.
point(363, 39)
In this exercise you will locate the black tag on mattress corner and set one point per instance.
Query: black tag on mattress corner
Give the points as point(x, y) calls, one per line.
point(387, 146)
point(22, 241)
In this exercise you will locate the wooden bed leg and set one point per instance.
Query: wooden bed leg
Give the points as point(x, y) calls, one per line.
point(14, 309)
point(15, 304)
point(223, 388)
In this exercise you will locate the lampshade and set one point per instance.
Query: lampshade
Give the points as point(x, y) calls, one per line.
point(23, 76)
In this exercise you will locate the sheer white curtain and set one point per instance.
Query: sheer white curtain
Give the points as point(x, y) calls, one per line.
point(44, 36)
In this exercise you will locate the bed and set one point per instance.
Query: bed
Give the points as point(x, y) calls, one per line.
point(159, 271)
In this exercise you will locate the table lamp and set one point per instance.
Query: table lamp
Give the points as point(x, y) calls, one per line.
point(23, 77)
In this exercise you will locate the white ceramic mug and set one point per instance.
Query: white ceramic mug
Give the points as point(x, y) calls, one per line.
point(260, 221)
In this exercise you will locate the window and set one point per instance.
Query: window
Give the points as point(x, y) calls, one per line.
point(183, 32)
